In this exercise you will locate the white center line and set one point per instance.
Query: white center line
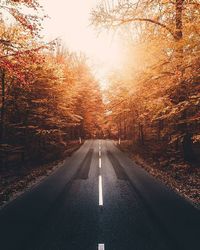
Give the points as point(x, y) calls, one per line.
point(99, 162)
point(100, 191)
point(101, 247)
point(99, 153)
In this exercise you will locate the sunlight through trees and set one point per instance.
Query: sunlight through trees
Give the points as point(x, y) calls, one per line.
point(48, 94)
point(154, 99)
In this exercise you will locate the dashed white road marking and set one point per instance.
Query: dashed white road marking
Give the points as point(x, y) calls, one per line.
point(100, 191)
point(101, 247)
point(99, 162)
point(100, 179)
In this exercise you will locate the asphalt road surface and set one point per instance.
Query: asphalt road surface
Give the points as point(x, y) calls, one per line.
point(100, 200)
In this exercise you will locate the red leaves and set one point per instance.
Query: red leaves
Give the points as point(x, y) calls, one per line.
point(17, 64)
point(30, 3)
point(27, 21)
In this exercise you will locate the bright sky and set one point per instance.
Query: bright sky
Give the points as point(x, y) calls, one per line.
point(70, 20)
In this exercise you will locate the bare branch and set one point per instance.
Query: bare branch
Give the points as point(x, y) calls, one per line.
point(121, 22)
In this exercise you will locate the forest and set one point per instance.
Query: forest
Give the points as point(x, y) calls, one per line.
point(50, 98)
point(48, 94)
point(154, 98)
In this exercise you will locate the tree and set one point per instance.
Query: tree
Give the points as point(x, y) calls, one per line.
point(165, 49)
point(170, 19)
point(49, 96)
point(29, 22)
point(168, 15)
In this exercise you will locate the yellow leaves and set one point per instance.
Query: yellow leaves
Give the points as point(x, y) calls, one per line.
point(196, 138)
point(47, 131)
point(175, 138)
point(39, 101)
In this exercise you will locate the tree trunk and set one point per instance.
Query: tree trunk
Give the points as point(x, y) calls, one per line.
point(187, 141)
point(120, 127)
point(188, 151)
point(178, 37)
point(179, 22)
point(2, 125)
point(141, 133)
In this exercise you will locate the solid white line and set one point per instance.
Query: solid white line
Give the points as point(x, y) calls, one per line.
point(99, 162)
point(101, 247)
point(100, 191)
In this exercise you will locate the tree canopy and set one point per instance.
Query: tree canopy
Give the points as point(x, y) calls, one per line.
point(48, 94)
point(154, 98)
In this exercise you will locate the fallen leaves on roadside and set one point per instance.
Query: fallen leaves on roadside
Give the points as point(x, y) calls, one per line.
point(177, 175)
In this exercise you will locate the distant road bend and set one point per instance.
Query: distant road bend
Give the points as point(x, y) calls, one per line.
point(102, 200)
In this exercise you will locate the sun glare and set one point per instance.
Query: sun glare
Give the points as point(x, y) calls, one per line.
point(70, 20)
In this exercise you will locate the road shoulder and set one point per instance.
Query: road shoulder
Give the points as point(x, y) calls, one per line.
point(15, 182)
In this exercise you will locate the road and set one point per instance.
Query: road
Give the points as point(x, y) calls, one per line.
point(99, 199)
